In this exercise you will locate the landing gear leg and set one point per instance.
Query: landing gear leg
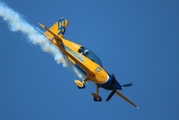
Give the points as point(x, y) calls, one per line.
point(96, 97)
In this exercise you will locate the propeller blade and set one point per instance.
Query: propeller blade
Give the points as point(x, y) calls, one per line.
point(126, 85)
point(122, 96)
point(110, 95)
point(114, 77)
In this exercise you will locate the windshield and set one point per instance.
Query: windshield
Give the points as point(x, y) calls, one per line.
point(91, 55)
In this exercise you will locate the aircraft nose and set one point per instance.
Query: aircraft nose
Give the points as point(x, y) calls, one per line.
point(116, 83)
point(118, 86)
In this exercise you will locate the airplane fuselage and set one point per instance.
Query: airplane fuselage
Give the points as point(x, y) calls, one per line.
point(85, 61)
point(99, 76)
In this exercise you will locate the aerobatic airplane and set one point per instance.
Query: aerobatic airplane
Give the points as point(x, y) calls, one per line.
point(85, 60)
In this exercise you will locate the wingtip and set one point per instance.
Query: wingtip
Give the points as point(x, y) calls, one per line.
point(137, 107)
point(42, 25)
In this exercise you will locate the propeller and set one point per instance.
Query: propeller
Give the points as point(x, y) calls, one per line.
point(127, 85)
point(113, 77)
point(114, 91)
point(110, 95)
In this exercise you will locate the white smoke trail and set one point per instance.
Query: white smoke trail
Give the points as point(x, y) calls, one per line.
point(17, 23)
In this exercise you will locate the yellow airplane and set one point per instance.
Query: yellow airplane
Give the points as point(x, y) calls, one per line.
point(85, 60)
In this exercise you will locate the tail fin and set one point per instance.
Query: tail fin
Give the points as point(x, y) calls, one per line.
point(58, 28)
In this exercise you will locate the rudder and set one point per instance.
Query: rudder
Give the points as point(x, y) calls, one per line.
point(58, 28)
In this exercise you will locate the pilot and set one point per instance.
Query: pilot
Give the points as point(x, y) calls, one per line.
point(83, 51)
point(86, 52)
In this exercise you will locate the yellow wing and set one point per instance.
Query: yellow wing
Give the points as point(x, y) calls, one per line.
point(122, 96)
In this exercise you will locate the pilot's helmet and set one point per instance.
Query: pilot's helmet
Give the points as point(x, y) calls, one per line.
point(86, 52)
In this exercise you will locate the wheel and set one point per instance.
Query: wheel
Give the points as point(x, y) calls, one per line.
point(81, 87)
point(79, 84)
point(97, 100)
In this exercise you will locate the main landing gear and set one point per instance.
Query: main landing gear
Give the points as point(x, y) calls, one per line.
point(81, 85)
point(96, 97)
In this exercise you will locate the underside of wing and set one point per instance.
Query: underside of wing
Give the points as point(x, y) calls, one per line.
point(122, 96)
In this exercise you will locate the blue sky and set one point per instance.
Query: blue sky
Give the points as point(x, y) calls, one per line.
point(138, 41)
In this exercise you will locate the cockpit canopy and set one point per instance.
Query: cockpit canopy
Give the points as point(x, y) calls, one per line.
point(91, 55)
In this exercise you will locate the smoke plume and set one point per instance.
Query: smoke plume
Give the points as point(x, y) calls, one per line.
point(16, 23)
